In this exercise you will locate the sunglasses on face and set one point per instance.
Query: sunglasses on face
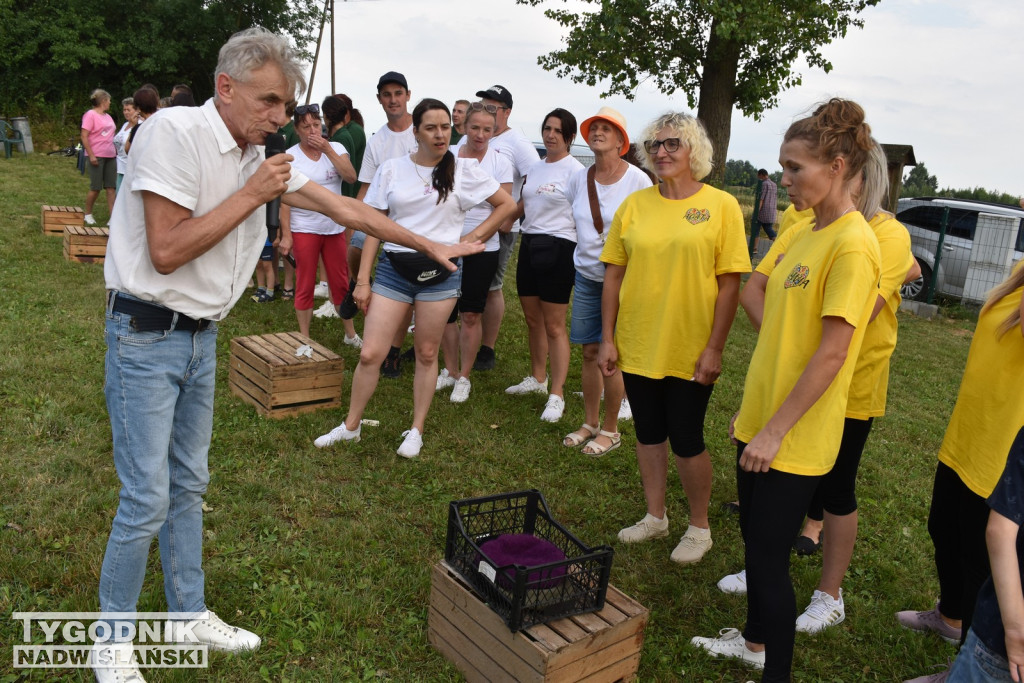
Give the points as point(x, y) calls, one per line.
point(671, 145)
point(313, 109)
point(480, 106)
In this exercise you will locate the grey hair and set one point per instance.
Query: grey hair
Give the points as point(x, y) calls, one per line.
point(691, 133)
point(875, 182)
point(128, 100)
point(250, 49)
point(98, 95)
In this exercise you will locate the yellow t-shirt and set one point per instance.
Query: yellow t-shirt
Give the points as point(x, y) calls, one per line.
point(989, 409)
point(791, 217)
point(829, 272)
point(870, 382)
point(673, 250)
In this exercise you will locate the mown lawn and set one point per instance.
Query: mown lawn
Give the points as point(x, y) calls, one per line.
point(327, 553)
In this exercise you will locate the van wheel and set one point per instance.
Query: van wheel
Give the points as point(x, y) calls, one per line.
point(917, 290)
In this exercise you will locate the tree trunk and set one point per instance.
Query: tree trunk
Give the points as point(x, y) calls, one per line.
point(717, 94)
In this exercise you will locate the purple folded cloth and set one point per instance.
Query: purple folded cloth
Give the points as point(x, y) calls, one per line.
point(528, 551)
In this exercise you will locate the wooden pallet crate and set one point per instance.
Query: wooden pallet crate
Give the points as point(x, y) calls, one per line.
point(56, 218)
point(599, 647)
point(265, 372)
point(85, 244)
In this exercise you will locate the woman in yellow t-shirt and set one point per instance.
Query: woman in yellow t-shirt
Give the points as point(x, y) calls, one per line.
point(988, 413)
point(817, 305)
point(674, 256)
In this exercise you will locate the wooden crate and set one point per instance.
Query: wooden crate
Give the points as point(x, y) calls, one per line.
point(266, 373)
point(56, 218)
point(85, 244)
point(596, 647)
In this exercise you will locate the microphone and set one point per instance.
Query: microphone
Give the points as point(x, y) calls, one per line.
point(275, 144)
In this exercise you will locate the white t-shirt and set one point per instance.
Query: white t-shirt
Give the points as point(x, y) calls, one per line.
point(385, 144)
point(500, 168)
point(406, 192)
point(323, 173)
point(545, 205)
point(119, 140)
point(187, 155)
point(519, 151)
point(588, 242)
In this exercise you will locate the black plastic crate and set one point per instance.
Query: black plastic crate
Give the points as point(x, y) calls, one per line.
point(524, 596)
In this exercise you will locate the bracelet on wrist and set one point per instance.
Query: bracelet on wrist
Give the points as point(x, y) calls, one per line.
point(362, 284)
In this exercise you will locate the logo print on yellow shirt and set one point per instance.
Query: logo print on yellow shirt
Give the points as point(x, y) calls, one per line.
point(696, 216)
point(798, 277)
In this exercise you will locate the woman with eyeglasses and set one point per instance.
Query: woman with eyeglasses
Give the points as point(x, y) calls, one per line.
point(604, 185)
point(674, 256)
point(309, 235)
point(545, 272)
point(461, 344)
point(428, 192)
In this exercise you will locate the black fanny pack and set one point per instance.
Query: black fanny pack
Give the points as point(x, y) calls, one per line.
point(417, 268)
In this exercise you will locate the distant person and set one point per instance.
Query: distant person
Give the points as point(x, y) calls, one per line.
point(147, 101)
point(766, 204)
point(183, 99)
point(459, 120)
point(131, 119)
point(98, 130)
point(182, 89)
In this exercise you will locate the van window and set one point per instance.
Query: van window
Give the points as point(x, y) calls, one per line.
point(962, 222)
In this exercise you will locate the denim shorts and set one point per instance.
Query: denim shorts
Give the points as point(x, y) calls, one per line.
point(977, 664)
point(389, 284)
point(358, 239)
point(586, 311)
point(506, 243)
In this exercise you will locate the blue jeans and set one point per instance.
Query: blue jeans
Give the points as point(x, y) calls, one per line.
point(977, 664)
point(159, 389)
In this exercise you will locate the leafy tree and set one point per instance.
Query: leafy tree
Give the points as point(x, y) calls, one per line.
point(917, 183)
point(720, 53)
point(741, 173)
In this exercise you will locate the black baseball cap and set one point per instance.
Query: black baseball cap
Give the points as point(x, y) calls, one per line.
point(498, 93)
point(392, 77)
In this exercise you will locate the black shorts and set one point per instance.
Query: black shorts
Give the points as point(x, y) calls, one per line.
point(669, 408)
point(545, 268)
point(837, 491)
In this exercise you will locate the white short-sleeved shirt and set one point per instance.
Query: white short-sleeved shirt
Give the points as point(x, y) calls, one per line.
point(119, 140)
point(518, 150)
point(323, 173)
point(500, 168)
point(385, 144)
point(545, 205)
point(588, 242)
point(187, 155)
point(406, 192)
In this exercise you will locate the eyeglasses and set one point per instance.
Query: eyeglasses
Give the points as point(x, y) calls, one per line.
point(313, 109)
point(480, 106)
point(671, 145)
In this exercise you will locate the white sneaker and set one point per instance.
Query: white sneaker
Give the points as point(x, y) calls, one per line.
point(553, 409)
point(326, 311)
point(824, 611)
point(734, 583)
point(116, 663)
point(529, 385)
point(730, 643)
point(647, 528)
point(321, 291)
point(444, 380)
point(461, 391)
point(355, 341)
point(89, 220)
point(692, 546)
point(215, 634)
point(625, 412)
point(339, 433)
point(410, 448)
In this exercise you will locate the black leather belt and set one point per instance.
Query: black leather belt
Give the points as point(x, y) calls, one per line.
point(147, 317)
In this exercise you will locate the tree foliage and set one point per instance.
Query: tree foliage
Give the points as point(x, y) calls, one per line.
point(720, 53)
point(917, 183)
point(740, 173)
point(57, 51)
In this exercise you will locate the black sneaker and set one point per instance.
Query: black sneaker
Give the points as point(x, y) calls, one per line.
point(347, 309)
point(392, 365)
point(410, 354)
point(484, 359)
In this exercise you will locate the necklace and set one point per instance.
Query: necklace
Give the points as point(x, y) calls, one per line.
point(427, 182)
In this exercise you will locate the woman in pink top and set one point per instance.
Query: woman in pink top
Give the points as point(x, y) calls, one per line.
point(98, 131)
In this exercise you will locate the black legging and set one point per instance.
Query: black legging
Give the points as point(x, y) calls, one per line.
point(772, 507)
point(837, 491)
point(956, 523)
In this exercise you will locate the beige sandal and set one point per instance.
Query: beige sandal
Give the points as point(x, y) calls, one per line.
point(574, 440)
point(596, 449)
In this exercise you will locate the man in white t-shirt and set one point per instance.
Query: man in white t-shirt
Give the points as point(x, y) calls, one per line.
point(523, 155)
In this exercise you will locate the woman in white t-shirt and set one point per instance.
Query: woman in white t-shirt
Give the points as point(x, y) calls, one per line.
point(545, 272)
point(314, 235)
point(131, 119)
point(460, 346)
point(428, 192)
point(612, 179)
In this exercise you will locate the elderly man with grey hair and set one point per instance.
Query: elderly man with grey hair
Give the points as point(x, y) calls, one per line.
point(184, 239)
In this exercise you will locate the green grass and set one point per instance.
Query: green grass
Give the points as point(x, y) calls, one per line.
point(327, 554)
